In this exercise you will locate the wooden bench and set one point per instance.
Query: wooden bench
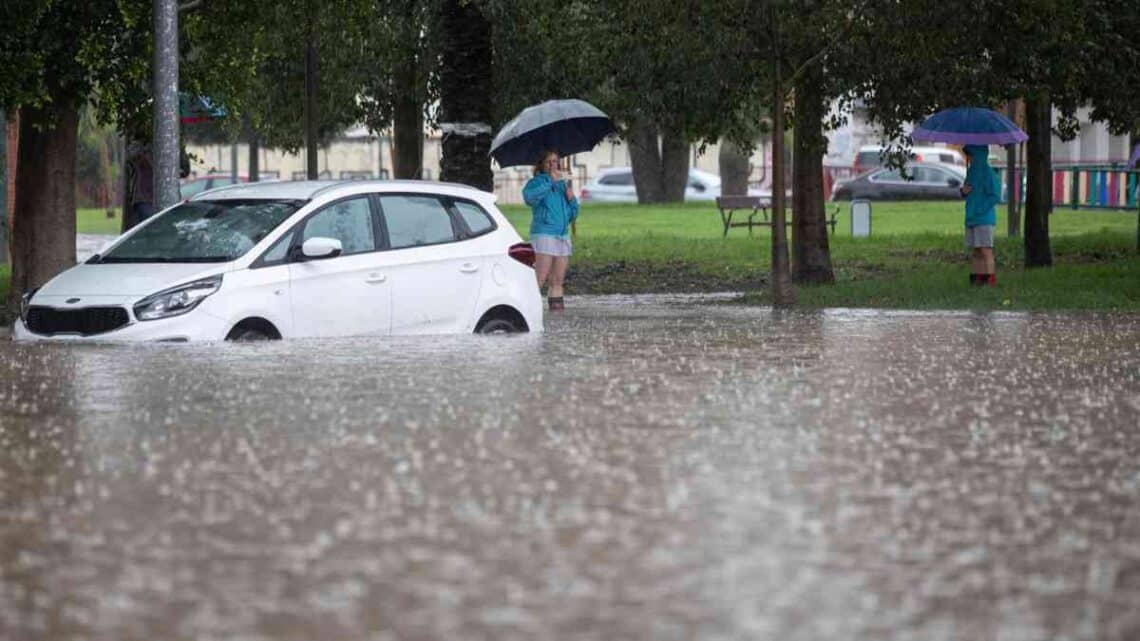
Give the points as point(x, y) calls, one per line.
point(759, 211)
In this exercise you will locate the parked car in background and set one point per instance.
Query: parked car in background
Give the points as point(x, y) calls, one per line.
point(870, 156)
point(615, 185)
point(294, 259)
point(928, 181)
point(197, 184)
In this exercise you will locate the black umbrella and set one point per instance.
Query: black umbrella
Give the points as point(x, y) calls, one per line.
point(565, 126)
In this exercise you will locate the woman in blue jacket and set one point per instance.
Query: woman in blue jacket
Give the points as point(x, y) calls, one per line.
point(553, 207)
point(982, 191)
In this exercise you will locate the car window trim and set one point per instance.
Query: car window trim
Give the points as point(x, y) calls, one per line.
point(299, 226)
point(451, 215)
point(450, 201)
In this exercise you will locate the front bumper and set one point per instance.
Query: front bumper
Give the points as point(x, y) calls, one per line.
point(193, 326)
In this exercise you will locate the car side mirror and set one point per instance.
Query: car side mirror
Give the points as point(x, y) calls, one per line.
point(319, 247)
point(953, 182)
point(698, 187)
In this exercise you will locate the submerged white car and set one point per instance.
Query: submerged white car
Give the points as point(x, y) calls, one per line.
point(290, 259)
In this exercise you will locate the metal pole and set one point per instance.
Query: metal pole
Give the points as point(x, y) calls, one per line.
point(164, 156)
point(234, 163)
point(1011, 177)
point(3, 188)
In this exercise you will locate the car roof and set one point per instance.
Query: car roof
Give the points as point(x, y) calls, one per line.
point(310, 189)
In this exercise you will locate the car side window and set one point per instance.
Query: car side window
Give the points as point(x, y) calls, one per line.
point(621, 179)
point(416, 220)
point(888, 175)
point(278, 251)
point(477, 220)
point(349, 221)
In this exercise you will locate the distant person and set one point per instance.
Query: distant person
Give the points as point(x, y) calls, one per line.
point(553, 207)
point(142, 183)
point(982, 192)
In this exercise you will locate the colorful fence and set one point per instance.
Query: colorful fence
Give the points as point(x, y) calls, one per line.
point(1085, 186)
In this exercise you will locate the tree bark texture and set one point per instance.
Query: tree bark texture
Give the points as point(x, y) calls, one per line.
point(1039, 180)
point(811, 253)
point(254, 168)
point(164, 146)
point(783, 295)
point(645, 159)
point(408, 119)
point(734, 169)
point(660, 164)
point(465, 83)
point(44, 232)
point(311, 110)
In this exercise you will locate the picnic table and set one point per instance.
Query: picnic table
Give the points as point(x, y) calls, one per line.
point(758, 209)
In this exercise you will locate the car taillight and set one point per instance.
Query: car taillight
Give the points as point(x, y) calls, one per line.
point(523, 253)
point(585, 194)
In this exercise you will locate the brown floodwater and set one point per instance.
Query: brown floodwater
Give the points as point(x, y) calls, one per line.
point(650, 468)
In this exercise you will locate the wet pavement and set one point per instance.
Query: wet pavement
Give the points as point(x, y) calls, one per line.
point(650, 468)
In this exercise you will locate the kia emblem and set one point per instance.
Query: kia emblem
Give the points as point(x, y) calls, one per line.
point(72, 300)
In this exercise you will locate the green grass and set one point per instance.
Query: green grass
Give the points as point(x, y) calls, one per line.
point(95, 221)
point(913, 260)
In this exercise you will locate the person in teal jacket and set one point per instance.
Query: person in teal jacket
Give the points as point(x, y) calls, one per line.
point(553, 207)
point(982, 191)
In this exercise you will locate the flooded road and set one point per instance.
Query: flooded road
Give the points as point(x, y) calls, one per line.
point(647, 469)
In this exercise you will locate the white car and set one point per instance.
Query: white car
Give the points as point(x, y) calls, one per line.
point(615, 185)
point(288, 259)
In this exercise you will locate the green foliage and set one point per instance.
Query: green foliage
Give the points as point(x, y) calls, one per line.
point(61, 52)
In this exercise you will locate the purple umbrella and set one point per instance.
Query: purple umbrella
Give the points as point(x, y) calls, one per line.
point(1135, 156)
point(969, 126)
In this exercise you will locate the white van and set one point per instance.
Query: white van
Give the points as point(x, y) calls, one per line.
point(870, 157)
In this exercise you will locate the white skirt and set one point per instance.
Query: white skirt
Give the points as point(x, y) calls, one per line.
point(551, 245)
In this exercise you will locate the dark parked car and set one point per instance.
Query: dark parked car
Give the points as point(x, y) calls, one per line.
point(928, 181)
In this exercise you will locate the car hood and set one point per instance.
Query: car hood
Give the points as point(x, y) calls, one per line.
point(127, 279)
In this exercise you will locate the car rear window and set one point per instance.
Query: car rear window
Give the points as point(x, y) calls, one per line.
point(867, 159)
point(477, 220)
point(416, 220)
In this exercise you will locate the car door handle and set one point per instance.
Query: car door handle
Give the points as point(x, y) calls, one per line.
point(375, 278)
point(468, 268)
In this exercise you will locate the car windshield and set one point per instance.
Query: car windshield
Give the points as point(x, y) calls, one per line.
point(203, 232)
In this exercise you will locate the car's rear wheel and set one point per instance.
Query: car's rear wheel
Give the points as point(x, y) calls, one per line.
point(501, 320)
point(498, 326)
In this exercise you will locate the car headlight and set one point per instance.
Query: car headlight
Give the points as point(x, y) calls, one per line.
point(176, 300)
point(26, 302)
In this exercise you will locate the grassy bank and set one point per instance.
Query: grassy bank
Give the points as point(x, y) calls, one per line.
point(913, 260)
point(95, 221)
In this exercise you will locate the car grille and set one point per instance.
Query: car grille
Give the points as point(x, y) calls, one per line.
point(87, 321)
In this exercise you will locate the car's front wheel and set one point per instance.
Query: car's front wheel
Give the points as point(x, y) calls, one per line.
point(248, 336)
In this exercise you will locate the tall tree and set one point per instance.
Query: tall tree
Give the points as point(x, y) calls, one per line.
point(465, 83)
point(62, 55)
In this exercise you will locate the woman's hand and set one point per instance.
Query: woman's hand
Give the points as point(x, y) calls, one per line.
point(555, 173)
point(966, 189)
point(569, 191)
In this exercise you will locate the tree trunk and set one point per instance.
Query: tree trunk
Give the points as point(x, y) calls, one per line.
point(254, 169)
point(312, 117)
point(782, 293)
point(660, 167)
point(734, 169)
point(645, 158)
point(44, 232)
point(674, 166)
point(465, 83)
point(1039, 180)
point(408, 119)
point(811, 254)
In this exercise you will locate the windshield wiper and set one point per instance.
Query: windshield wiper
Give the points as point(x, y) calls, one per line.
point(134, 259)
